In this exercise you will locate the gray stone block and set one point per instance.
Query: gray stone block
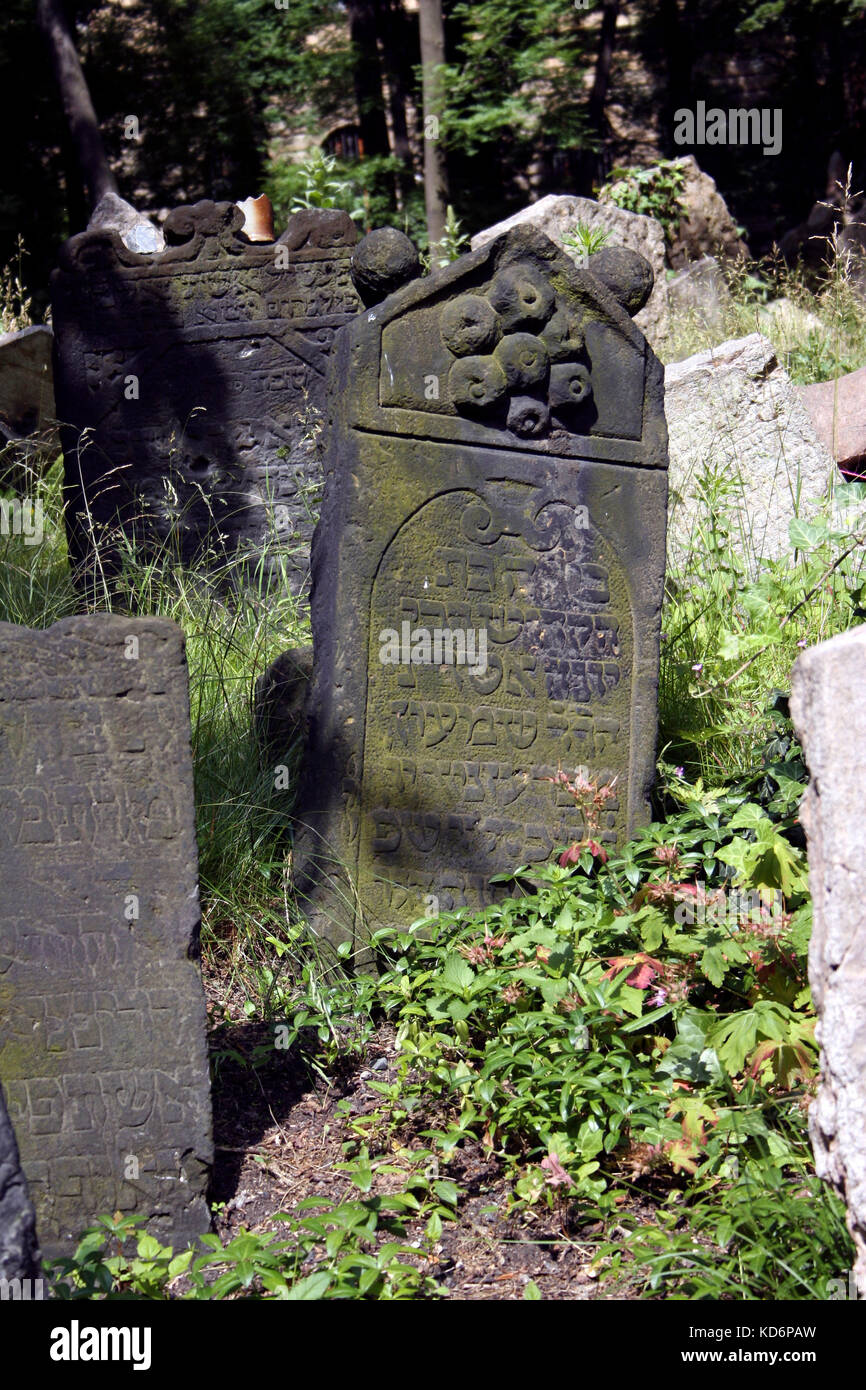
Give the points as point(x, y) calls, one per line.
point(830, 719)
point(102, 1018)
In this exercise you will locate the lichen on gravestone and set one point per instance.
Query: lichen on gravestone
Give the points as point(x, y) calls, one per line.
point(497, 475)
point(102, 1019)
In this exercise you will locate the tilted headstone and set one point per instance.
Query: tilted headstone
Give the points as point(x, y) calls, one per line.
point(830, 719)
point(496, 476)
point(102, 1017)
point(189, 382)
point(19, 1249)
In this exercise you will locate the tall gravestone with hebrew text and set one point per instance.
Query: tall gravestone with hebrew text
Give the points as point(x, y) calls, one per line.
point(487, 584)
point(102, 1018)
point(189, 383)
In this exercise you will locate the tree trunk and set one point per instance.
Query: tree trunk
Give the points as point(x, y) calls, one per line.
point(432, 35)
point(601, 80)
point(393, 26)
point(368, 78)
point(75, 96)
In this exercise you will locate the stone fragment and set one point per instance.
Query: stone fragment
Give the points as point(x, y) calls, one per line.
point(837, 410)
point(487, 584)
point(258, 218)
point(733, 412)
point(830, 720)
point(103, 1049)
point(706, 227)
point(114, 214)
point(28, 423)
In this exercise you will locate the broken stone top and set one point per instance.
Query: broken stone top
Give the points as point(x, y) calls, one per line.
point(207, 231)
point(513, 345)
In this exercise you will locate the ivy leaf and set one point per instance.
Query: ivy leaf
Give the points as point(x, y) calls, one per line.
point(805, 535)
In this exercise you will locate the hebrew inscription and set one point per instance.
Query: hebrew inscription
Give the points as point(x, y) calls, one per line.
point(487, 586)
point(102, 1022)
point(190, 383)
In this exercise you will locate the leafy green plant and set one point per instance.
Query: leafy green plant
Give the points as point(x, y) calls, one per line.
point(453, 242)
point(586, 240)
point(355, 1249)
point(654, 192)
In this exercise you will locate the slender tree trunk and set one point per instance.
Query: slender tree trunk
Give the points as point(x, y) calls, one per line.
point(368, 77)
point(601, 80)
point(395, 40)
point(432, 35)
point(75, 96)
point(675, 30)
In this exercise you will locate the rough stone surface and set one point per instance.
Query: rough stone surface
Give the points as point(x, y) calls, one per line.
point(19, 1248)
point(734, 411)
point(700, 292)
point(557, 216)
point(199, 374)
point(496, 474)
point(137, 232)
point(626, 274)
point(26, 397)
point(280, 693)
point(830, 719)
point(706, 228)
point(102, 1018)
point(837, 410)
point(382, 262)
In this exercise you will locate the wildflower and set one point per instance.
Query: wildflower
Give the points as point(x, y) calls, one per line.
point(698, 666)
point(679, 772)
point(668, 854)
point(556, 1174)
point(659, 998)
point(802, 642)
point(512, 993)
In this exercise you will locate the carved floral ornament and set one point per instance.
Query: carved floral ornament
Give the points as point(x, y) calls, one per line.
point(516, 345)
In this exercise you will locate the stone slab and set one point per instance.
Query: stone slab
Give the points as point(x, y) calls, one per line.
point(102, 1017)
point(189, 382)
point(734, 411)
point(497, 471)
point(830, 720)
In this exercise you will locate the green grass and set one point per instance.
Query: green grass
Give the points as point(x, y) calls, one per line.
point(821, 336)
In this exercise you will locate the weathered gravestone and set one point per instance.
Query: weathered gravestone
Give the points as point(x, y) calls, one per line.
point(487, 584)
point(102, 1018)
point(829, 717)
point(189, 382)
point(19, 1250)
